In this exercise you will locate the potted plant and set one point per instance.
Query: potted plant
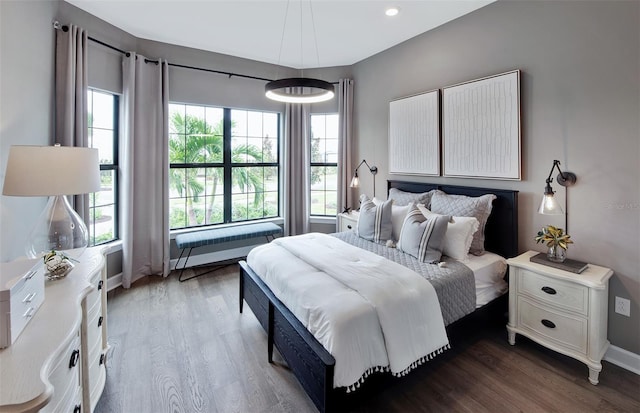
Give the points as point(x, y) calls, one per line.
point(557, 242)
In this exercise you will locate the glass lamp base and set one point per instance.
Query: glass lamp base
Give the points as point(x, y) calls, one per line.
point(58, 228)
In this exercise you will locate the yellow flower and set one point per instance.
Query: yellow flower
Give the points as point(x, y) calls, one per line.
point(553, 236)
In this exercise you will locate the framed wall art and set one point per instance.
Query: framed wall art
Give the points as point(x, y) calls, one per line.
point(481, 128)
point(414, 134)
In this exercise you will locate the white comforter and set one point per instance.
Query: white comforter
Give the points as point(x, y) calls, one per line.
point(368, 312)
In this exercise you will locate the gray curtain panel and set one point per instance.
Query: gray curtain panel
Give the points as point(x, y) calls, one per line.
point(71, 98)
point(297, 158)
point(345, 132)
point(144, 155)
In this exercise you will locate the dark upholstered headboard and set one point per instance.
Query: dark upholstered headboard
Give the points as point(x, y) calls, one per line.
point(501, 231)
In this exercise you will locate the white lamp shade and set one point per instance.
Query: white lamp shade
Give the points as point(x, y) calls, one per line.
point(550, 206)
point(51, 170)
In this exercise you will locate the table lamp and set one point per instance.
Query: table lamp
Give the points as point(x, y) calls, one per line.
point(54, 171)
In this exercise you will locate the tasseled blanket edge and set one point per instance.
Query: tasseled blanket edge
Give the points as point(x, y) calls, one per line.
point(404, 372)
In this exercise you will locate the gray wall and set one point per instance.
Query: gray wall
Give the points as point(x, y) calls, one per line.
point(580, 105)
point(26, 96)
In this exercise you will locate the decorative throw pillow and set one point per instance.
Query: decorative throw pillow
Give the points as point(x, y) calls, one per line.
point(405, 198)
point(398, 213)
point(374, 222)
point(423, 237)
point(466, 206)
point(459, 236)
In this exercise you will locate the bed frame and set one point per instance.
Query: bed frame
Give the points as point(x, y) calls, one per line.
point(305, 356)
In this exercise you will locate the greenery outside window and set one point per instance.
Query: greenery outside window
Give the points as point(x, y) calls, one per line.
point(324, 164)
point(224, 165)
point(103, 109)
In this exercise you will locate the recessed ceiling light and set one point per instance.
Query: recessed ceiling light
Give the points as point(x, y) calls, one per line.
point(392, 11)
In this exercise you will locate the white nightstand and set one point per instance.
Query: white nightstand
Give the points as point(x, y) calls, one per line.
point(560, 310)
point(347, 221)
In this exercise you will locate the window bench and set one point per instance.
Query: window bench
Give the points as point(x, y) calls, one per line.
point(197, 239)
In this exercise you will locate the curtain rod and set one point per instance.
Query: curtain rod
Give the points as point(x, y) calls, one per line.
point(65, 28)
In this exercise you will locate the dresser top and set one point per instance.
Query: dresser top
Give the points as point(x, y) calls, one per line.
point(26, 363)
point(594, 276)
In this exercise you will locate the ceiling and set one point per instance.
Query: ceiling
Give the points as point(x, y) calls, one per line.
point(346, 31)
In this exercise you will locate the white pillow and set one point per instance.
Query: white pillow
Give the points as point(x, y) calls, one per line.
point(459, 236)
point(398, 214)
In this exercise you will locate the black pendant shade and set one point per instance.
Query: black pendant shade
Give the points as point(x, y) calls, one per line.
point(299, 90)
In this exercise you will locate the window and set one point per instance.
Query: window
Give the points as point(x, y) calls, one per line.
point(324, 164)
point(223, 165)
point(103, 135)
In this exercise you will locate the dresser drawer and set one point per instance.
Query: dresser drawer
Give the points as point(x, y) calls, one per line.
point(65, 375)
point(559, 293)
point(19, 304)
point(566, 330)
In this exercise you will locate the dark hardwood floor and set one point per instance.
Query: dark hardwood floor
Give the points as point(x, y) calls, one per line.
point(183, 347)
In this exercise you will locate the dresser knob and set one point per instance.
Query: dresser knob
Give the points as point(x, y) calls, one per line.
point(100, 285)
point(548, 323)
point(77, 408)
point(101, 359)
point(549, 290)
point(75, 354)
point(100, 321)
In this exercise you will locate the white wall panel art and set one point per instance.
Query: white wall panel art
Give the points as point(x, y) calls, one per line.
point(414, 135)
point(481, 128)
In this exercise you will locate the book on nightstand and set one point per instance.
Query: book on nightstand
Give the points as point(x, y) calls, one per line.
point(574, 266)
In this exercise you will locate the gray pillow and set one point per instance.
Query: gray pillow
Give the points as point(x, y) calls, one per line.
point(405, 198)
point(466, 206)
point(423, 237)
point(374, 222)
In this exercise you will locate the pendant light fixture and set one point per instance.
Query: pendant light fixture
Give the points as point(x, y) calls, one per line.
point(299, 89)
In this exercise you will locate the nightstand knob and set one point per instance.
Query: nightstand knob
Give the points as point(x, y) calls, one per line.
point(349, 226)
point(548, 323)
point(549, 290)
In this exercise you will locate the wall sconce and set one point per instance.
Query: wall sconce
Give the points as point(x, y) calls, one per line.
point(549, 204)
point(355, 182)
point(54, 171)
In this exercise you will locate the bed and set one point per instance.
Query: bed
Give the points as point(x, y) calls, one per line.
point(312, 364)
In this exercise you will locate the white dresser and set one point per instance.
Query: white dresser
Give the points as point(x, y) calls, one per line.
point(560, 310)
point(57, 362)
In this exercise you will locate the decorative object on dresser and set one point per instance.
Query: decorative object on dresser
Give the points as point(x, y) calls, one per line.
point(58, 362)
point(347, 221)
point(549, 204)
point(355, 182)
point(54, 171)
point(560, 310)
point(21, 295)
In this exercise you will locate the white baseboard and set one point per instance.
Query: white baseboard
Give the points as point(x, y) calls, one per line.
point(114, 282)
point(623, 358)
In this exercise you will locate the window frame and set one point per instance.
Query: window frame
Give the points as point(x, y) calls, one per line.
point(114, 167)
point(228, 165)
point(325, 164)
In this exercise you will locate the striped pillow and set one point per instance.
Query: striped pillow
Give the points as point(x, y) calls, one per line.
point(374, 222)
point(423, 237)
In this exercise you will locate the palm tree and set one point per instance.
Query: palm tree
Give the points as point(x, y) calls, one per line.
point(204, 143)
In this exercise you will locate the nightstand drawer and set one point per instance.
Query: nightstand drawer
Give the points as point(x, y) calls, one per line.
point(561, 294)
point(566, 330)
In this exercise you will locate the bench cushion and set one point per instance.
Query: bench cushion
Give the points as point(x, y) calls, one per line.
point(226, 234)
